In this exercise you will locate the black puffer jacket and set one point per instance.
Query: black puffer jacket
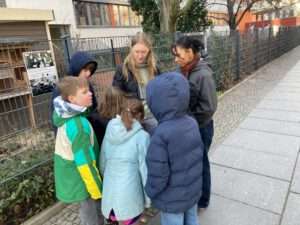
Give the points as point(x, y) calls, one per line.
point(129, 87)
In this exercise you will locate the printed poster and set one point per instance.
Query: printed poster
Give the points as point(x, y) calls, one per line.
point(42, 73)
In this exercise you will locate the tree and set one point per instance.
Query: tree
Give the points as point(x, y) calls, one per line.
point(194, 18)
point(149, 10)
point(237, 9)
point(171, 15)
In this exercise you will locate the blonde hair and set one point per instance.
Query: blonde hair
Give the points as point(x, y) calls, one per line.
point(112, 102)
point(69, 85)
point(129, 62)
point(131, 109)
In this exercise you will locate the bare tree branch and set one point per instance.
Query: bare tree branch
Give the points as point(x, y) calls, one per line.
point(247, 9)
point(238, 8)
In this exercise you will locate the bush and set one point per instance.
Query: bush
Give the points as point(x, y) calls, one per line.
point(24, 197)
point(26, 174)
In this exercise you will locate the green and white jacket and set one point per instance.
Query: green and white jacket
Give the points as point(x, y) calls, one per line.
point(76, 154)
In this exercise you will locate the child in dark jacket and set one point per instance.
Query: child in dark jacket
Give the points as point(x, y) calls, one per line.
point(174, 158)
point(83, 65)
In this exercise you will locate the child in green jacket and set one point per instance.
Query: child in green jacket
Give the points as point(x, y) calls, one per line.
point(77, 178)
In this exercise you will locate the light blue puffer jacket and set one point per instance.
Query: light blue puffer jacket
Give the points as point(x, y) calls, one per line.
point(122, 163)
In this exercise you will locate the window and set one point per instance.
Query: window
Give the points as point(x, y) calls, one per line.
point(124, 15)
point(2, 3)
point(134, 18)
point(116, 15)
point(81, 13)
point(95, 14)
point(104, 14)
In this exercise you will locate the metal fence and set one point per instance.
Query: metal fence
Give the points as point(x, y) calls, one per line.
point(26, 139)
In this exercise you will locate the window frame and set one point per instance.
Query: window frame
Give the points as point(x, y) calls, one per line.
point(89, 20)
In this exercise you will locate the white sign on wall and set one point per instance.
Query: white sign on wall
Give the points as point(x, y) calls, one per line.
point(41, 71)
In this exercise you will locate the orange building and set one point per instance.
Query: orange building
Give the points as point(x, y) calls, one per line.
point(285, 16)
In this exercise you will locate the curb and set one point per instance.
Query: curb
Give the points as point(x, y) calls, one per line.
point(46, 214)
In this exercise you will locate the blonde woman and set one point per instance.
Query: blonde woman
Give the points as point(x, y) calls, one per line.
point(138, 69)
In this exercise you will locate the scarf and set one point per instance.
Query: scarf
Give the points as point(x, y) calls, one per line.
point(66, 109)
point(185, 70)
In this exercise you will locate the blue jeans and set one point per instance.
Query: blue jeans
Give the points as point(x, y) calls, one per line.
point(188, 217)
point(207, 134)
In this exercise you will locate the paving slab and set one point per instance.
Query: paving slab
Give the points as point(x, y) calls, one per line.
point(279, 105)
point(286, 96)
point(223, 211)
point(290, 83)
point(265, 142)
point(275, 115)
point(287, 86)
point(292, 212)
point(286, 90)
point(296, 180)
point(254, 161)
point(255, 190)
point(280, 127)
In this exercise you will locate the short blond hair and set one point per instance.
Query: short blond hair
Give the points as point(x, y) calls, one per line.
point(69, 85)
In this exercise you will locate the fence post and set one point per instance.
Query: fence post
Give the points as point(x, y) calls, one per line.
point(67, 49)
point(177, 35)
point(269, 43)
point(237, 54)
point(113, 52)
point(256, 47)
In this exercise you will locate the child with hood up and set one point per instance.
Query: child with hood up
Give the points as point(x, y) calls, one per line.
point(174, 157)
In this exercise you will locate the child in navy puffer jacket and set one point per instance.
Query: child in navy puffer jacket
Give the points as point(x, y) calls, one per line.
point(174, 157)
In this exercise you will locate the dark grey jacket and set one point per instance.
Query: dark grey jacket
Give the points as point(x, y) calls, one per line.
point(203, 95)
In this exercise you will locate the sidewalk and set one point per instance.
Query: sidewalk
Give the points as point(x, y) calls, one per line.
point(255, 157)
point(255, 173)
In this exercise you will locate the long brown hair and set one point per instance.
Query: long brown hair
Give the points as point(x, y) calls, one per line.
point(131, 109)
point(129, 62)
point(112, 102)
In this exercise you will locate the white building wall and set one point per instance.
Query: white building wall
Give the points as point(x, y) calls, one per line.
point(64, 14)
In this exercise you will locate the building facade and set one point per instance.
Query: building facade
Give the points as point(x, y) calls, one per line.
point(85, 18)
point(287, 13)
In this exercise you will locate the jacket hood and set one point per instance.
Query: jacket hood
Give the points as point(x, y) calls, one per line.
point(78, 61)
point(65, 110)
point(168, 96)
point(116, 132)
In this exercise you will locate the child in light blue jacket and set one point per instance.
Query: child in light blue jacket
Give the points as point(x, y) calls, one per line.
point(122, 164)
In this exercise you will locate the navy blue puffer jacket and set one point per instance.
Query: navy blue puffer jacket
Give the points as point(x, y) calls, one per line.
point(174, 158)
